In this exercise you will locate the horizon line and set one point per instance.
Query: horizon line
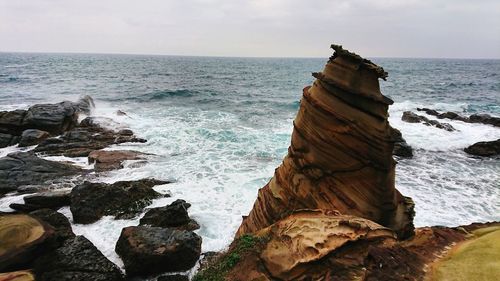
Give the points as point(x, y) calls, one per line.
point(243, 57)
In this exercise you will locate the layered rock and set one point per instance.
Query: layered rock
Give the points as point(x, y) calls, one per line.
point(340, 157)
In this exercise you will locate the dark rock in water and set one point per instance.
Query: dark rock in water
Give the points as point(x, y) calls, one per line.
point(76, 259)
point(32, 137)
point(25, 168)
point(174, 215)
point(22, 239)
point(112, 159)
point(8, 140)
point(411, 117)
point(57, 220)
point(49, 199)
point(11, 122)
point(80, 141)
point(148, 250)
point(474, 118)
point(484, 148)
point(401, 147)
point(123, 199)
point(176, 277)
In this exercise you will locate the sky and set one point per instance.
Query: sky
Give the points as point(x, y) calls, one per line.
point(261, 28)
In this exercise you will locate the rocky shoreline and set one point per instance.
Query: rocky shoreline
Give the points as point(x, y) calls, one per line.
point(331, 211)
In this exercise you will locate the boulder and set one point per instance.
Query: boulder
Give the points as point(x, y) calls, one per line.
point(123, 199)
point(174, 215)
point(53, 199)
point(76, 259)
point(474, 118)
point(105, 160)
point(484, 148)
point(25, 168)
point(340, 156)
point(22, 238)
point(32, 137)
point(148, 250)
point(58, 221)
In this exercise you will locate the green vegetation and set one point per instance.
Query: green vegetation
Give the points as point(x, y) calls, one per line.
point(475, 260)
point(218, 270)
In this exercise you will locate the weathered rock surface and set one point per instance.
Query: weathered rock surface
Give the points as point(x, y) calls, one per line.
point(411, 117)
point(85, 138)
point(484, 148)
point(76, 259)
point(105, 160)
point(22, 237)
point(25, 168)
point(174, 215)
point(32, 137)
point(474, 118)
point(52, 118)
point(148, 250)
point(340, 157)
point(23, 275)
point(123, 199)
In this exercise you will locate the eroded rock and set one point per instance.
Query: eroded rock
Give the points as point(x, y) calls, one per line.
point(124, 199)
point(340, 156)
point(148, 250)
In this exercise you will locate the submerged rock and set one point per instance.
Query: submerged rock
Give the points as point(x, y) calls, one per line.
point(25, 168)
point(76, 259)
point(148, 250)
point(474, 118)
point(174, 215)
point(484, 148)
point(123, 199)
point(340, 156)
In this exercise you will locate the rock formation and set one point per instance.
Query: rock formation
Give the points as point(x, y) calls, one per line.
point(484, 148)
point(340, 156)
point(474, 118)
point(411, 117)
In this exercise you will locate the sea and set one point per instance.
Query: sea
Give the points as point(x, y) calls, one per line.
point(219, 126)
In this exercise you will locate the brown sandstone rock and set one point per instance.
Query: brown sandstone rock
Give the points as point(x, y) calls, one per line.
point(112, 159)
point(23, 275)
point(340, 156)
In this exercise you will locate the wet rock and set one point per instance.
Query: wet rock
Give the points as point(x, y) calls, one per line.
point(22, 239)
point(123, 199)
point(8, 140)
point(32, 136)
point(11, 122)
point(340, 156)
point(76, 259)
point(105, 160)
point(484, 148)
point(401, 147)
point(411, 117)
point(474, 118)
point(25, 168)
point(58, 221)
point(174, 215)
point(148, 250)
point(89, 136)
point(50, 199)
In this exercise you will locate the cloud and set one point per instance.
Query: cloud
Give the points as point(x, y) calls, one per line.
point(439, 28)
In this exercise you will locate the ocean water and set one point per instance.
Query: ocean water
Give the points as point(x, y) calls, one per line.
point(218, 127)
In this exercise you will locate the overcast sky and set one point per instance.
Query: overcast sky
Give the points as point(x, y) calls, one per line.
point(283, 28)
